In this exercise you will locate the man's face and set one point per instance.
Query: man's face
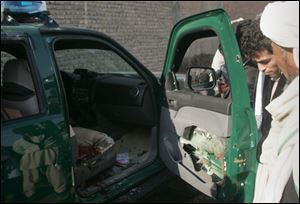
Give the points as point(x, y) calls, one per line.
point(285, 61)
point(223, 86)
point(266, 63)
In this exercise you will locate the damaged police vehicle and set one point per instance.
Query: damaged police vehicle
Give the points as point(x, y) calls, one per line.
point(83, 120)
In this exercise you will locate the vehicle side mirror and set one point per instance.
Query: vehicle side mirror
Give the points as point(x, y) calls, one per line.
point(201, 78)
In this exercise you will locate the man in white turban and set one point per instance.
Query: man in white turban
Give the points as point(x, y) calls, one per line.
point(277, 176)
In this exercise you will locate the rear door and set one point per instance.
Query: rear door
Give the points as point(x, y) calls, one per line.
point(35, 150)
point(208, 139)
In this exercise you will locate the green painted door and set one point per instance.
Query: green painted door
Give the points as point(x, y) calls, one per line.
point(208, 141)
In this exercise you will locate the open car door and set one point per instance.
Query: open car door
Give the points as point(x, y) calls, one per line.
point(206, 140)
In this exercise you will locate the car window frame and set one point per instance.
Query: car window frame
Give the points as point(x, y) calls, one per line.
point(26, 41)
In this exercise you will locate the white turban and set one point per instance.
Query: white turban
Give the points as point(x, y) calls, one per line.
point(280, 23)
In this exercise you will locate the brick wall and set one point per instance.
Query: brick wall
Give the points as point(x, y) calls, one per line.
point(142, 27)
point(235, 9)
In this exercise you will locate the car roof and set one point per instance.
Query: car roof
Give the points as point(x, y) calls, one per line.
point(43, 29)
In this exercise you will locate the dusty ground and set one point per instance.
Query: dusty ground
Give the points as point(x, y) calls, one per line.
point(170, 190)
point(176, 191)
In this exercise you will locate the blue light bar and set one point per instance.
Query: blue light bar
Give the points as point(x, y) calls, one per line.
point(28, 7)
point(26, 3)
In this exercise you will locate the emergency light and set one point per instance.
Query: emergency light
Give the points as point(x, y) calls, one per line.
point(24, 7)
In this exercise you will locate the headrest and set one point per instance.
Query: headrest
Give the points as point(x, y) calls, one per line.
point(17, 71)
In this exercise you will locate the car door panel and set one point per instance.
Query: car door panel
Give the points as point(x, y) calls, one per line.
point(172, 153)
point(179, 99)
point(189, 116)
point(228, 124)
point(208, 115)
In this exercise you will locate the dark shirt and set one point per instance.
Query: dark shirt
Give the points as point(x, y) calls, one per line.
point(289, 194)
point(266, 116)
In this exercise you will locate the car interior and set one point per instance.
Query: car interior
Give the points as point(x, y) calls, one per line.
point(112, 115)
point(115, 107)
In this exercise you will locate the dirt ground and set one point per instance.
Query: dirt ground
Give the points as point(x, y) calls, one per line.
point(171, 189)
point(176, 191)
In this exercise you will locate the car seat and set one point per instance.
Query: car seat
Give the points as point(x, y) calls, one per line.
point(18, 97)
point(94, 153)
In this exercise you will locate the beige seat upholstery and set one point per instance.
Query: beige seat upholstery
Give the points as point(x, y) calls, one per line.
point(18, 97)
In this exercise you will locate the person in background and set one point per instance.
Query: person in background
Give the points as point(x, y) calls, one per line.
point(277, 178)
point(222, 83)
point(250, 68)
point(270, 82)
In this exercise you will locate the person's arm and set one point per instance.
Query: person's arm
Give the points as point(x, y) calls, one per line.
point(218, 61)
